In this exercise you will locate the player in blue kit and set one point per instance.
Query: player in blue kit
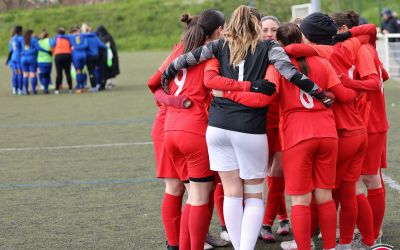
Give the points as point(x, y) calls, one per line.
point(79, 47)
point(14, 59)
point(29, 61)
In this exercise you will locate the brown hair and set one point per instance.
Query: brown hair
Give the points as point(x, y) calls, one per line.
point(208, 21)
point(243, 33)
point(289, 33)
point(350, 19)
point(27, 37)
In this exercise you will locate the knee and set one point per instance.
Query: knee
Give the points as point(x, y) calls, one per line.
point(253, 189)
point(304, 199)
point(372, 181)
point(174, 187)
point(322, 195)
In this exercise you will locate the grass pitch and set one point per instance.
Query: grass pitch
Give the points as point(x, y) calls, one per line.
point(72, 177)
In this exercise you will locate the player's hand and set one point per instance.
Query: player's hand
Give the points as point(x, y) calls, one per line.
point(263, 86)
point(217, 93)
point(342, 36)
point(345, 79)
point(325, 96)
point(165, 83)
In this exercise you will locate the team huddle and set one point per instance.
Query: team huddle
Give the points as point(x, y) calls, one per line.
point(30, 55)
point(301, 105)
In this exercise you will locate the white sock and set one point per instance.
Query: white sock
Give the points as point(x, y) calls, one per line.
point(251, 223)
point(233, 213)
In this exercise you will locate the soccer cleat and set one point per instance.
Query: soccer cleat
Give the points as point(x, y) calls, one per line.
point(292, 245)
point(343, 247)
point(172, 247)
point(283, 228)
point(225, 236)
point(56, 92)
point(266, 234)
point(93, 90)
point(14, 91)
point(215, 242)
point(207, 246)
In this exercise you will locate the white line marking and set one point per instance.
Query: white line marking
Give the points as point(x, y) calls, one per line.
point(392, 183)
point(78, 146)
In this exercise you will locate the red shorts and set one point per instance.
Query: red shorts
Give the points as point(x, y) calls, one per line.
point(310, 164)
point(189, 153)
point(375, 157)
point(164, 166)
point(274, 141)
point(351, 155)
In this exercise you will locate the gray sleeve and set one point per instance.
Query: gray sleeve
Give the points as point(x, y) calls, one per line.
point(278, 57)
point(191, 58)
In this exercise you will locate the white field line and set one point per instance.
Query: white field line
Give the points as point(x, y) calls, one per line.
point(392, 183)
point(77, 146)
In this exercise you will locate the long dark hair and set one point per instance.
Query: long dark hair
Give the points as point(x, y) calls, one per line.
point(27, 37)
point(289, 33)
point(17, 30)
point(350, 19)
point(208, 21)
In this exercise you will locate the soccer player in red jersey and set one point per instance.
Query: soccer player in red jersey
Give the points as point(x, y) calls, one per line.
point(368, 66)
point(309, 156)
point(276, 203)
point(174, 189)
point(184, 135)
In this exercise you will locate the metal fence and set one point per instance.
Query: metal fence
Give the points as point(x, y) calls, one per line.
point(388, 48)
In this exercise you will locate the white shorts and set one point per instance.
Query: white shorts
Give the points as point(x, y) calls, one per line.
point(230, 150)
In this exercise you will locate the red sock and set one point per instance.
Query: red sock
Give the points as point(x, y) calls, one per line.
point(184, 235)
point(301, 218)
point(314, 217)
point(282, 211)
point(348, 211)
point(171, 217)
point(364, 220)
point(198, 226)
point(275, 193)
point(376, 199)
point(219, 202)
point(327, 219)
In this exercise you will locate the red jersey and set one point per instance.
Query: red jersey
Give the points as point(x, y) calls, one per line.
point(377, 120)
point(189, 82)
point(342, 57)
point(273, 114)
point(302, 117)
point(160, 117)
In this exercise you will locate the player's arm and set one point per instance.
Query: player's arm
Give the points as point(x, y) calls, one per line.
point(298, 50)
point(188, 59)
point(178, 101)
point(213, 80)
point(282, 63)
point(9, 57)
point(82, 45)
point(252, 100)
point(359, 31)
point(385, 74)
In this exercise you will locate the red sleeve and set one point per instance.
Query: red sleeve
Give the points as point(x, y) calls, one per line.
point(366, 29)
point(343, 94)
point(367, 83)
point(169, 100)
point(300, 50)
point(213, 80)
point(154, 82)
point(249, 99)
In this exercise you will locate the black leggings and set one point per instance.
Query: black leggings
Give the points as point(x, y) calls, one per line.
point(63, 62)
point(91, 63)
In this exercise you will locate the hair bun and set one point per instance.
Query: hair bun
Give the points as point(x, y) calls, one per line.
point(185, 18)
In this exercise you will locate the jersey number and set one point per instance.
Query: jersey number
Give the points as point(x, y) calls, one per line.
point(180, 82)
point(306, 100)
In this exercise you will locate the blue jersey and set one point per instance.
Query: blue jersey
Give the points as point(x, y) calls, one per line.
point(94, 44)
point(16, 45)
point(79, 44)
point(30, 51)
